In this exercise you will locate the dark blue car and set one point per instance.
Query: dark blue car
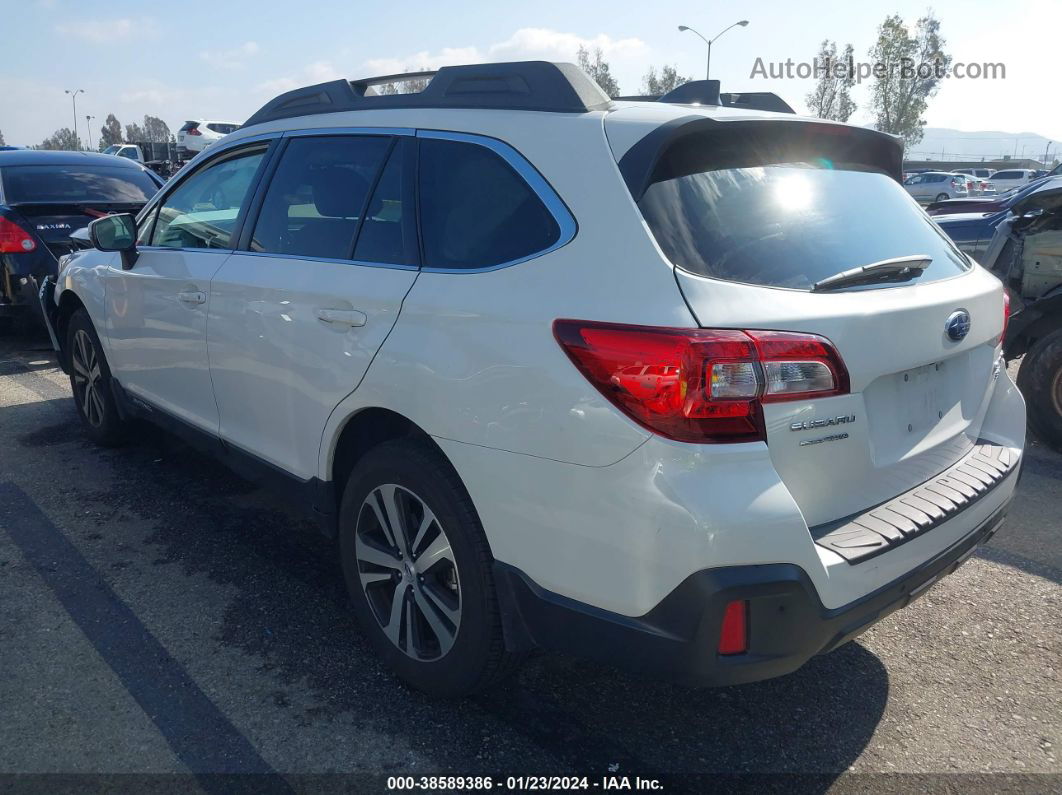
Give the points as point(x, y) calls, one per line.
point(44, 198)
point(973, 231)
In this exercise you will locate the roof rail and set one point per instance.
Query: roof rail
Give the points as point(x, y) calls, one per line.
point(520, 85)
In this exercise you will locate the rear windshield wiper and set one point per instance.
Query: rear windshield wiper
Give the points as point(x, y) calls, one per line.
point(887, 270)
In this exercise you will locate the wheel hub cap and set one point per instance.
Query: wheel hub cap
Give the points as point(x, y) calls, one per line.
point(407, 572)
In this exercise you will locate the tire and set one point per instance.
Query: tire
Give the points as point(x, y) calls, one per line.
point(90, 383)
point(444, 637)
point(1040, 380)
point(942, 197)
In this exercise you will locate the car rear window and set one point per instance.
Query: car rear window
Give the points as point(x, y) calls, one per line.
point(790, 223)
point(79, 184)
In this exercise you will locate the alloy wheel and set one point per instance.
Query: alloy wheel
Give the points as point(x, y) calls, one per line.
point(87, 378)
point(408, 573)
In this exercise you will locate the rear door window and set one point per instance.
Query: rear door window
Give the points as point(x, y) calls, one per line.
point(476, 211)
point(388, 234)
point(791, 224)
point(316, 198)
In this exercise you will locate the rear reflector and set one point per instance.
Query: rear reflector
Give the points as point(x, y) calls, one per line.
point(701, 385)
point(14, 239)
point(734, 634)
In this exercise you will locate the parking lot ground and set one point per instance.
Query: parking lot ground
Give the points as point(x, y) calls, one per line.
point(160, 615)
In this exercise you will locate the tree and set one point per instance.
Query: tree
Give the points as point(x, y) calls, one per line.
point(110, 132)
point(134, 132)
point(155, 130)
point(63, 139)
point(908, 69)
point(832, 95)
point(669, 79)
point(598, 69)
point(2, 138)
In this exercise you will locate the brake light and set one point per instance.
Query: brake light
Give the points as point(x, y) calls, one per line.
point(701, 385)
point(734, 633)
point(193, 131)
point(14, 239)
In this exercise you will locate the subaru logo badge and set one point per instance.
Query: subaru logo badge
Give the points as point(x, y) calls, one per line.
point(958, 325)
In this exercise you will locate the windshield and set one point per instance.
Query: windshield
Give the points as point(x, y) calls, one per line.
point(77, 184)
point(791, 224)
point(110, 150)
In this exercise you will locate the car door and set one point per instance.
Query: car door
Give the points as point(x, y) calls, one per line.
point(298, 313)
point(157, 311)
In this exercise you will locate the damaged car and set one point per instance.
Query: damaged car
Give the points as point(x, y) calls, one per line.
point(1026, 254)
point(45, 198)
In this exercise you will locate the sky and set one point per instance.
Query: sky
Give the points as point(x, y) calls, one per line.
point(222, 60)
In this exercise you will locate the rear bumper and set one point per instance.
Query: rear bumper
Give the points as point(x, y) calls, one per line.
point(677, 639)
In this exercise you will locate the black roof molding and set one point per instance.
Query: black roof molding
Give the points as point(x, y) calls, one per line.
point(706, 92)
point(519, 85)
point(679, 146)
point(756, 100)
point(701, 92)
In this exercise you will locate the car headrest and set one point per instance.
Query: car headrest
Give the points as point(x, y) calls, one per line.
point(338, 192)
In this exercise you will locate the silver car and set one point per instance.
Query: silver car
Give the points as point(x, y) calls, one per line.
point(936, 186)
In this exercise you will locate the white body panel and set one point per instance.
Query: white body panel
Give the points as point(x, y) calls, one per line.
point(287, 344)
point(156, 321)
point(582, 499)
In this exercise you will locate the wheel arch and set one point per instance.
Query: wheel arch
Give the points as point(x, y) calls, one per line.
point(365, 429)
point(69, 302)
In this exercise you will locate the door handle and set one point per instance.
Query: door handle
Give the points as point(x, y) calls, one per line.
point(191, 297)
point(342, 317)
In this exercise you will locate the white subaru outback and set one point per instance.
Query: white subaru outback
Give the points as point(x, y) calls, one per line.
point(695, 389)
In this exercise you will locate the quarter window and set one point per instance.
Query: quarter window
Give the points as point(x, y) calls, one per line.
point(475, 210)
point(202, 211)
point(317, 196)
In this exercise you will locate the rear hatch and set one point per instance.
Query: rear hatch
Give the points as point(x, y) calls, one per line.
point(755, 213)
point(189, 128)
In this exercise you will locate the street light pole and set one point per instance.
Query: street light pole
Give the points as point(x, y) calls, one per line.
point(88, 129)
point(708, 71)
point(73, 99)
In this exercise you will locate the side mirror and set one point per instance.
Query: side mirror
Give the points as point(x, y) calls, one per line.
point(115, 233)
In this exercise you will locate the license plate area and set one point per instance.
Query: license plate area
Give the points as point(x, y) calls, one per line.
point(923, 398)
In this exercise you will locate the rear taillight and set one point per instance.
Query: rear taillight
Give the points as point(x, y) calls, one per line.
point(193, 131)
point(701, 385)
point(14, 239)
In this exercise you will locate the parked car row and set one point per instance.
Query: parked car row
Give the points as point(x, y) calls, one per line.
point(935, 187)
point(653, 388)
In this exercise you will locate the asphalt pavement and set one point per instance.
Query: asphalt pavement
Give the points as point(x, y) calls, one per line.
point(161, 616)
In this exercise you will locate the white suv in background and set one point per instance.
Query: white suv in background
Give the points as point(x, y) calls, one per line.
point(1009, 179)
point(644, 382)
point(196, 135)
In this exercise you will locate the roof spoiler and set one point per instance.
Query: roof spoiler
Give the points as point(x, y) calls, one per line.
point(520, 85)
point(678, 147)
